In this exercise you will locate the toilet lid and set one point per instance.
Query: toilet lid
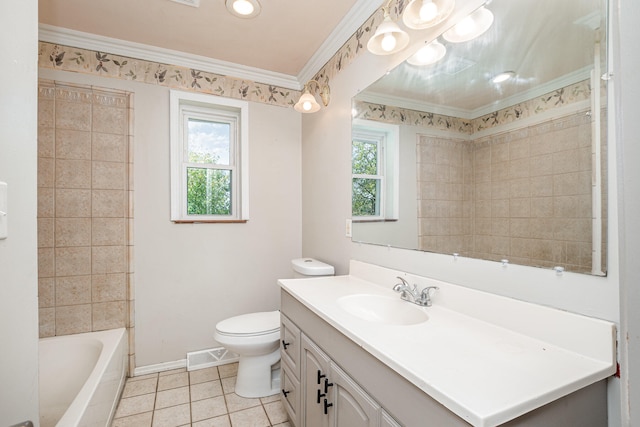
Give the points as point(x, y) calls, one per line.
point(250, 324)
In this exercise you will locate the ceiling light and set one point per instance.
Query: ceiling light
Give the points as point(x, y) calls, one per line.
point(307, 102)
point(389, 37)
point(503, 77)
point(420, 14)
point(429, 54)
point(470, 27)
point(243, 8)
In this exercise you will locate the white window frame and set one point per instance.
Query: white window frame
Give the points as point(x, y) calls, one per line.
point(388, 138)
point(185, 105)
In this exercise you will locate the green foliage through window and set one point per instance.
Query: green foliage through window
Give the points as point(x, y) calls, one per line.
point(366, 180)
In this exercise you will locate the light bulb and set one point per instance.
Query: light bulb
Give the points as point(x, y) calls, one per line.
point(306, 105)
point(243, 7)
point(466, 26)
point(388, 42)
point(426, 55)
point(428, 11)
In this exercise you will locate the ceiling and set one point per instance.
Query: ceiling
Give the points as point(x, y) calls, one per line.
point(283, 39)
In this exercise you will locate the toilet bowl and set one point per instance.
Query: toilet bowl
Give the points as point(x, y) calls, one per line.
point(255, 337)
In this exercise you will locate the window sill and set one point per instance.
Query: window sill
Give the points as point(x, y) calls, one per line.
point(373, 220)
point(209, 221)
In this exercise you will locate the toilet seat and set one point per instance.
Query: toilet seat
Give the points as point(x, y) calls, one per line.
point(252, 324)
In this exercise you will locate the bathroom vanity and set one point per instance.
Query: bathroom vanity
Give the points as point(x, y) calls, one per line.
point(354, 354)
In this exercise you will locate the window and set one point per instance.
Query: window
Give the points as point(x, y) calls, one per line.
point(209, 158)
point(374, 171)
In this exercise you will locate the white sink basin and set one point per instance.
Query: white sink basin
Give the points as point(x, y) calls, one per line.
point(382, 309)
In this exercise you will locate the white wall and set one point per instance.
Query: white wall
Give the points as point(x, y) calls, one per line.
point(190, 276)
point(18, 253)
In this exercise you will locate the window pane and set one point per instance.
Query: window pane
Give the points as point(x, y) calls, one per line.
point(208, 142)
point(208, 191)
point(365, 157)
point(366, 196)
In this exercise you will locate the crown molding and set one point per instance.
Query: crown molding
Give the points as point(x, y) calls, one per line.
point(67, 37)
point(358, 15)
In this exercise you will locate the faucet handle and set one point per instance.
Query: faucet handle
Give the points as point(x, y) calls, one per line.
point(426, 295)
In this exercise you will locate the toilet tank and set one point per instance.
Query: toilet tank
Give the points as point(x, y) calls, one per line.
point(309, 267)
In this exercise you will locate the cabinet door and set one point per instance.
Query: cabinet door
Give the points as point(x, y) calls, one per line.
point(315, 368)
point(290, 394)
point(290, 345)
point(352, 406)
point(387, 420)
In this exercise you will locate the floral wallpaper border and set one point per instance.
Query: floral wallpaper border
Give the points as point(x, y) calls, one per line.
point(562, 97)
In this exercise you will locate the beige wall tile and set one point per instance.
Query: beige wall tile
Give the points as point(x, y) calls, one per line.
point(47, 322)
point(109, 315)
point(519, 149)
point(109, 287)
point(73, 203)
point(46, 292)
point(46, 172)
point(73, 115)
point(73, 232)
point(110, 120)
point(108, 204)
point(519, 168)
point(520, 208)
point(46, 142)
point(45, 232)
point(109, 147)
point(73, 173)
point(542, 207)
point(73, 144)
point(109, 175)
point(46, 112)
point(73, 319)
point(108, 231)
point(46, 202)
point(46, 262)
point(73, 290)
point(73, 261)
point(108, 259)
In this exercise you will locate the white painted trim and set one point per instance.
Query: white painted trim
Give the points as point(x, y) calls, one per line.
point(359, 13)
point(66, 37)
point(159, 367)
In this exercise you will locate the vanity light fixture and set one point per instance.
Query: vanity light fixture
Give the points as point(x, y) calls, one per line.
point(470, 27)
point(420, 14)
point(503, 77)
point(243, 8)
point(428, 54)
point(307, 102)
point(389, 37)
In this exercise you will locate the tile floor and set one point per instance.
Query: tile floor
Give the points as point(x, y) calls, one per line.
point(201, 398)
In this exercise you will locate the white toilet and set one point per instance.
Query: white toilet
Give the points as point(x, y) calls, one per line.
point(255, 337)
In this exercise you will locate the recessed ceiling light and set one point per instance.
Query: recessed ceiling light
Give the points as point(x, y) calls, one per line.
point(503, 77)
point(243, 8)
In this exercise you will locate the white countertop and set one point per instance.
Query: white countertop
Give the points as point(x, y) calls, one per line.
point(485, 372)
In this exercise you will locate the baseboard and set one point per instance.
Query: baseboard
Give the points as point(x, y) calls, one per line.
point(160, 367)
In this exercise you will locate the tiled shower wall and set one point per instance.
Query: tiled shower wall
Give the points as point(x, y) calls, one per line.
point(528, 192)
point(85, 212)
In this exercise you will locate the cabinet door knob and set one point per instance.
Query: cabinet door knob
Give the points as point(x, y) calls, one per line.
point(320, 376)
point(320, 395)
point(327, 384)
point(285, 392)
point(285, 344)
point(327, 406)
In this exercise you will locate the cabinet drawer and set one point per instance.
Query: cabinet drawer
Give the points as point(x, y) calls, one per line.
point(290, 394)
point(290, 345)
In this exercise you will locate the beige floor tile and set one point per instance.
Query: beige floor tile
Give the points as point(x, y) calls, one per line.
point(135, 405)
point(206, 390)
point(287, 424)
point(237, 403)
point(166, 382)
point(142, 377)
point(208, 408)
point(137, 388)
point(222, 421)
point(173, 371)
point(228, 384)
point(172, 397)
point(203, 375)
point(228, 370)
point(172, 417)
point(268, 399)
point(253, 417)
point(276, 412)
point(139, 420)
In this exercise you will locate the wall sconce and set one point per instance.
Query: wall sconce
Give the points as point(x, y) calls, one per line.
point(421, 14)
point(428, 54)
point(307, 102)
point(470, 27)
point(389, 37)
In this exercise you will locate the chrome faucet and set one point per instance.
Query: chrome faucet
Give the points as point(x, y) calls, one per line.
point(411, 294)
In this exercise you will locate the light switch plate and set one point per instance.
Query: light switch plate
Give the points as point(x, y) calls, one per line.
point(3, 210)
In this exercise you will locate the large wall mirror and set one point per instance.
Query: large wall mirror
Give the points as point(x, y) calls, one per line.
point(446, 159)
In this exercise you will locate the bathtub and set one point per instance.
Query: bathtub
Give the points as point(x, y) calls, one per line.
point(81, 378)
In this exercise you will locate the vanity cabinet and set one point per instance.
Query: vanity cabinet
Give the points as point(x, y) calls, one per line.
point(317, 392)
